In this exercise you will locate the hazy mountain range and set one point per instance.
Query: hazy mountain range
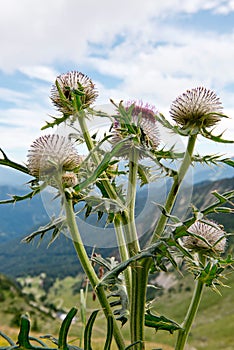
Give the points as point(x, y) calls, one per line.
point(17, 221)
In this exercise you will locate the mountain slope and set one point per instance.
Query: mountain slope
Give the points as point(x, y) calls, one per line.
point(17, 259)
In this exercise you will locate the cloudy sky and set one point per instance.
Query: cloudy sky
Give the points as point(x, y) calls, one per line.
point(151, 50)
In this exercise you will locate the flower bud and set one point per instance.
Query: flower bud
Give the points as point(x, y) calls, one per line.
point(69, 179)
point(206, 236)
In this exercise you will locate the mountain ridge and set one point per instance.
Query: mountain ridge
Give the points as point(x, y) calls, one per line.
point(60, 259)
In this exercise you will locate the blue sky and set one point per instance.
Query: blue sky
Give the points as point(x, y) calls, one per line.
point(151, 50)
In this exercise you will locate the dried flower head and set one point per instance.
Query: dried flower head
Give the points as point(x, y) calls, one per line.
point(197, 108)
point(69, 84)
point(143, 127)
point(51, 153)
point(205, 236)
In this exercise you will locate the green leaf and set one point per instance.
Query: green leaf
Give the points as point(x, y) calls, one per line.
point(56, 224)
point(226, 197)
point(109, 335)
point(7, 162)
point(29, 195)
point(161, 323)
point(144, 174)
point(105, 205)
point(8, 339)
point(136, 342)
point(62, 341)
point(88, 330)
point(173, 218)
point(57, 121)
point(216, 138)
point(23, 337)
point(229, 162)
point(101, 167)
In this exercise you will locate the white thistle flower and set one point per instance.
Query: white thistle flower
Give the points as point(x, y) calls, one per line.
point(51, 153)
point(205, 236)
point(197, 108)
point(73, 82)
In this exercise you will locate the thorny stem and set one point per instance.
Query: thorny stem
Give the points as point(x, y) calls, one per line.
point(130, 227)
point(112, 194)
point(89, 270)
point(191, 313)
point(139, 277)
point(171, 198)
point(123, 251)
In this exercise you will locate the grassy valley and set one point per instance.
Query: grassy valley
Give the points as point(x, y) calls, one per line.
point(213, 328)
point(45, 282)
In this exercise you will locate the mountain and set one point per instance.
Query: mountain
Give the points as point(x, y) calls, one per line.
point(200, 172)
point(21, 217)
point(203, 172)
point(59, 259)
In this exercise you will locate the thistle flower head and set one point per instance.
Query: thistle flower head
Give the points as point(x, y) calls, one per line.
point(69, 84)
point(196, 108)
point(206, 236)
point(51, 153)
point(69, 179)
point(142, 125)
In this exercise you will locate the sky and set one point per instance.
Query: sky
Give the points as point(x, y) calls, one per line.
point(150, 50)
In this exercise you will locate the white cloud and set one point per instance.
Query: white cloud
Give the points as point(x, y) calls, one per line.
point(42, 33)
point(40, 72)
point(9, 95)
point(135, 41)
point(225, 7)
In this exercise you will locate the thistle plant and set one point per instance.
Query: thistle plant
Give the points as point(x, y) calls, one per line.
point(92, 180)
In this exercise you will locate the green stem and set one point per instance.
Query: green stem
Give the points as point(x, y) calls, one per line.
point(172, 195)
point(123, 252)
point(137, 307)
point(112, 194)
point(89, 270)
point(14, 165)
point(171, 198)
point(108, 187)
point(190, 316)
point(131, 236)
point(139, 275)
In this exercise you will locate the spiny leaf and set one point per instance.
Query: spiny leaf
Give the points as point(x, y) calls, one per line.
point(9, 163)
point(161, 323)
point(109, 335)
point(216, 138)
point(101, 167)
point(88, 330)
point(57, 121)
point(226, 197)
point(173, 218)
point(144, 174)
point(55, 224)
point(8, 339)
point(157, 250)
point(229, 162)
point(38, 341)
point(103, 204)
point(136, 342)
point(30, 195)
point(62, 341)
